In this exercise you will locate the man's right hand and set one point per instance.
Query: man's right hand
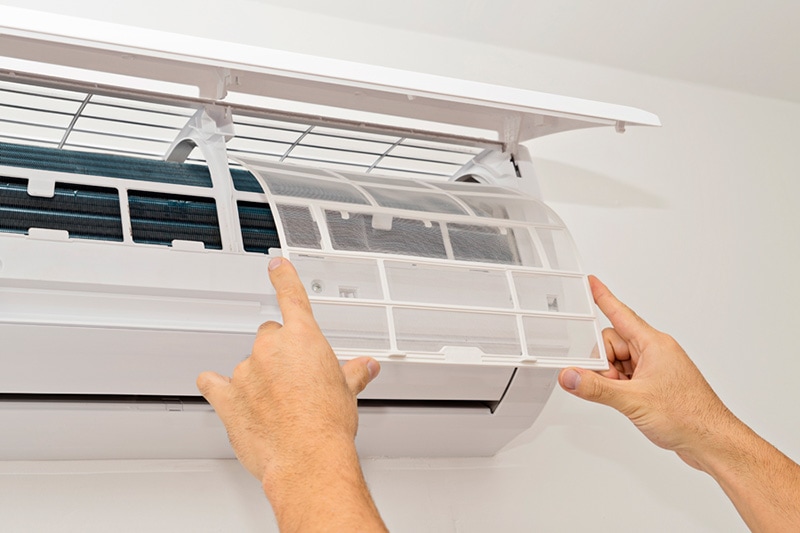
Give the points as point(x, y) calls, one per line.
point(654, 383)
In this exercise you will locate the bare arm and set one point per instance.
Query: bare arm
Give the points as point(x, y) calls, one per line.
point(653, 382)
point(291, 416)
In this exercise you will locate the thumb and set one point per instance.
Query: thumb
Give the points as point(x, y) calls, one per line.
point(213, 387)
point(359, 372)
point(593, 387)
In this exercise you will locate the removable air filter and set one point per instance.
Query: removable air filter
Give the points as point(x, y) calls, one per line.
point(432, 271)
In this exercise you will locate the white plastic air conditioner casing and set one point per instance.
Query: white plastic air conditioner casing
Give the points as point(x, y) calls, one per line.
point(470, 294)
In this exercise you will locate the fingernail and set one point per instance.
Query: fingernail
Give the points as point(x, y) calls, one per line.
point(571, 380)
point(275, 263)
point(373, 367)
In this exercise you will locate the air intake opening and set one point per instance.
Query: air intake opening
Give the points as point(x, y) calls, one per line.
point(84, 211)
point(156, 217)
point(103, 165)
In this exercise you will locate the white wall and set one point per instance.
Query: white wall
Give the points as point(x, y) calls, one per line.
point(695, 225)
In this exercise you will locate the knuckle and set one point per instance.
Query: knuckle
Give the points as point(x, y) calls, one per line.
point(594, 390)
point(668, 341)
point(268, 326)
point(297, 298)
point(610, 335)
point(240, 371)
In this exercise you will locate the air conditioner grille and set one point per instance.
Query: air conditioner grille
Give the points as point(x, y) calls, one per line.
point(259, 233)
point(87, 211)
point(158, 218)
point(105, 165)
point(84, 211)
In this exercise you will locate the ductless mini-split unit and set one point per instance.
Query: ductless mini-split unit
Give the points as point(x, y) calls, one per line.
point(146, 179)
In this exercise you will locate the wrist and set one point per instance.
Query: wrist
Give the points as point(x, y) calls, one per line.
point(322, 485)
point(300, 468)
point(724, 443)
point(762, 482)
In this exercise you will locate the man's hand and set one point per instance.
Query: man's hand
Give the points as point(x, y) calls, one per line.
point(654, 383)
point(291, 415)
point(651, 381)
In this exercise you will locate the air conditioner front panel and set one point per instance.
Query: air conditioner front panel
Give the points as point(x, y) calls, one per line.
point(41, 359)
point(50, 359)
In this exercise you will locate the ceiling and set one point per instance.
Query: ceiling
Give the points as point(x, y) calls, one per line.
point(742, 45)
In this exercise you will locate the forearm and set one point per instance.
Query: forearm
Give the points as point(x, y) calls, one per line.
point(323, 492)
point(762, 482)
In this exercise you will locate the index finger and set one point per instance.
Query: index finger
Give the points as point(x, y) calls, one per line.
point(628, 324)
point(291, 294)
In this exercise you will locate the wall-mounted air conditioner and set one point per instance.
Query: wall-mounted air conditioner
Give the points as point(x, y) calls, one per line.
point(146, 178)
